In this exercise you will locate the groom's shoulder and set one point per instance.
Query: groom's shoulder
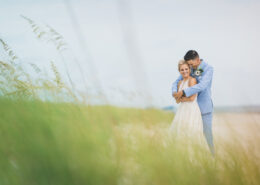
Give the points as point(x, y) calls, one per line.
point(209, 66)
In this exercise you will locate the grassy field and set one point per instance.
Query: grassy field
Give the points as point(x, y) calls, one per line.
point(59, 144)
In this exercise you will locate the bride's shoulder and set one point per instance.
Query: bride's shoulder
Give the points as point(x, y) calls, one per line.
point(192, 81)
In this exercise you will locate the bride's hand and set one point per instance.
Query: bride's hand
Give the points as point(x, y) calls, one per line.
point(178, 95)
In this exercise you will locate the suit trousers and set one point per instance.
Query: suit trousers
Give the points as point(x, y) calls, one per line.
point(207, 130)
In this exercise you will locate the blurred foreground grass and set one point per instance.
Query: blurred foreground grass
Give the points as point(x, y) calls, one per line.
point(62, 143)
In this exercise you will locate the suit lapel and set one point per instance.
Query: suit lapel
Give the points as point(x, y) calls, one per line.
point(201, 66)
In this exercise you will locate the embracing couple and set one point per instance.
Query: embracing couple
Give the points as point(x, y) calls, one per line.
point(192, 90)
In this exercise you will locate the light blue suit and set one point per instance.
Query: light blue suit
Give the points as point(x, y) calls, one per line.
point(203, 88)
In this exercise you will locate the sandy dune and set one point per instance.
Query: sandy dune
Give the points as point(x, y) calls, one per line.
point(241, 129)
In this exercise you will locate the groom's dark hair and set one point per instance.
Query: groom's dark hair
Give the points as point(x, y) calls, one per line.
point(191, 55)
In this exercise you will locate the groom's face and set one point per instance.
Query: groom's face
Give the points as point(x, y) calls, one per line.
point(194, 63)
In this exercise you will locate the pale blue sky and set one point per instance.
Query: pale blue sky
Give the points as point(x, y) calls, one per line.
point(225, 33)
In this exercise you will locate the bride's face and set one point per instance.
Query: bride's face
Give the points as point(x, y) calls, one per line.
point(185, 70)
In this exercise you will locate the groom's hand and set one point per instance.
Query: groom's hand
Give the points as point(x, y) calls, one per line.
point(178, 95)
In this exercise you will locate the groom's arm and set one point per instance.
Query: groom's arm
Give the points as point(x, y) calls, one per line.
point(204, 82)
point(175, 84)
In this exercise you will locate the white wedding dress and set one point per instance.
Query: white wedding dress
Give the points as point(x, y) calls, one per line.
point(188, 121)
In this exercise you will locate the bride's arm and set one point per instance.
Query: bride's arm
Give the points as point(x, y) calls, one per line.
point(175, 85)
point(178, 86)
point(192, 82)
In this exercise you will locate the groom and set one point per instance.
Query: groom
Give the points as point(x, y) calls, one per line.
point(203, 73)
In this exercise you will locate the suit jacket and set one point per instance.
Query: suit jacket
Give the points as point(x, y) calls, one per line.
point(203, 87)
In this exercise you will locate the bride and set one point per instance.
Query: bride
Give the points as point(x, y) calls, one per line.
point(187, 121)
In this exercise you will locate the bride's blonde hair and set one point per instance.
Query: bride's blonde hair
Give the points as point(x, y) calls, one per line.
point(182, 62)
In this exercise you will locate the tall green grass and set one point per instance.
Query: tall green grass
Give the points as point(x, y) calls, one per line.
point(17, 82)
point(63, 143)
